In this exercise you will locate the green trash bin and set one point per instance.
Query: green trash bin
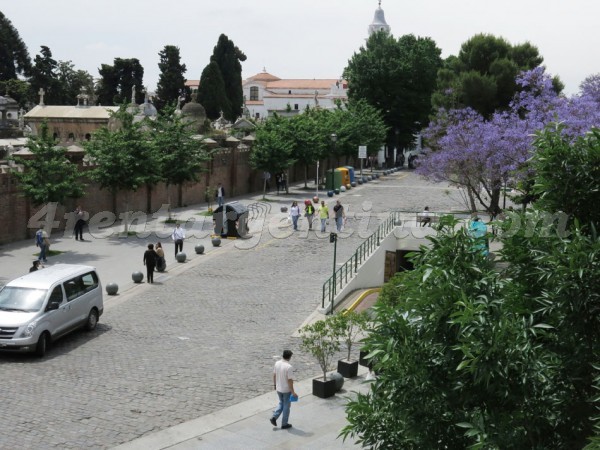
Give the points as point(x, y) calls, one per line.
point(333, 180)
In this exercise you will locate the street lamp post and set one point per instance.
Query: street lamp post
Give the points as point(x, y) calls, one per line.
point(334, 140)
point(317, 194)
point(333, 238)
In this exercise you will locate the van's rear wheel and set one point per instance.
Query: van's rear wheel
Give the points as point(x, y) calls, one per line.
point(42, 345)
point(92, 320)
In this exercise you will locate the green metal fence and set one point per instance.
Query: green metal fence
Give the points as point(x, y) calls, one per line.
point(345, 273)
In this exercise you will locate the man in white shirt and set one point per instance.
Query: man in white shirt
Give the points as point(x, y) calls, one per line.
point(178, 236)
point(220, 194)
point(283, 382)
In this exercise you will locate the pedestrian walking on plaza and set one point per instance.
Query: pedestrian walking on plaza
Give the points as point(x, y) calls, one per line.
point(283, 382)
point(79, 223)
point(309, 212)
point(42, 241)
point(150, 262)
point(161, 264)
point(220, 194)
point(426, 217)
point(295, 214)
point(340, 216)
point(324, 216)
point(178, 236)
point(278, 182)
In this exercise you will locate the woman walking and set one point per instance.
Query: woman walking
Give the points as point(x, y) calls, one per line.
point(161, 264)
point(295, 214)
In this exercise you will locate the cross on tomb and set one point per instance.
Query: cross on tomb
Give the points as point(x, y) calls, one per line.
point(41, 93)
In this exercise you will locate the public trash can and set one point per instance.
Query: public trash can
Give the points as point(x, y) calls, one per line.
point(231, 221)
point(351, 173)
point(333, 180)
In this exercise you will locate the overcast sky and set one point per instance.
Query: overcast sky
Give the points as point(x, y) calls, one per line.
point(298, 39)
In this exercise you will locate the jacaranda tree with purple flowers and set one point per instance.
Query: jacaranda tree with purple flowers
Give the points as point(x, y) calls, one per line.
point(483, 156)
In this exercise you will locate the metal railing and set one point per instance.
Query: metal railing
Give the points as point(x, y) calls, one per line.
point(347, 271)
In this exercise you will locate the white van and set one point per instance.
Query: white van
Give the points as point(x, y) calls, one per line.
point(42, 306)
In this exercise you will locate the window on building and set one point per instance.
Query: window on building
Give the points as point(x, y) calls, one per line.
point(55, 135)
point(254, 93)
point(88, 137)
point(290, 92)
point(71, 137)
point(257, 116)
point(296, 106)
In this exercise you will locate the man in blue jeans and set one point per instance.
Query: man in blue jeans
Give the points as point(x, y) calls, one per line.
point(283, 382)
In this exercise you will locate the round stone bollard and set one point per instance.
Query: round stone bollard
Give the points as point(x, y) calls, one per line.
point(181, 257)
point(365, 179)
point(369, 178)
point(342, 188)
point(283, 209)
point(216, 241)
point(336, 191)
point(359, 181)
point(137, 277)
point(349, 186)
point(339, 380)
point(199, 249)
point(329, 193)
point(353, 184)
point(315, 199)
point(112, 288)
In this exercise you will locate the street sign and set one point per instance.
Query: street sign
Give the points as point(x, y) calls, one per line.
point(362, 152)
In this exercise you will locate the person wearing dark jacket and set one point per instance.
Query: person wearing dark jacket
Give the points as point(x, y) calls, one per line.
point(150, 262)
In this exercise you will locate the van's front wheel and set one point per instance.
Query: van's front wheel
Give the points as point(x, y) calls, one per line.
point(42, 345)
point(92, 320)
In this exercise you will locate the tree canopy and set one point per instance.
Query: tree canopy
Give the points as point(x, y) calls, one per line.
point(397, 77)
point(14, 57)
point(211, 93)
point(470, 354)
point(116, 82)
point(49, 176)
point(483, 74)
point(171, 81)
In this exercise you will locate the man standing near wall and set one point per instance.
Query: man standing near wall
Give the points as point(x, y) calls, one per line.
point(220, 194)
point(178, 236)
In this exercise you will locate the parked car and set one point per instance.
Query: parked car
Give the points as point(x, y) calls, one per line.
point(42, 306)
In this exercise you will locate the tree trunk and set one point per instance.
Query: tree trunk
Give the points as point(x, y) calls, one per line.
point(471, 197)
point(306, 176)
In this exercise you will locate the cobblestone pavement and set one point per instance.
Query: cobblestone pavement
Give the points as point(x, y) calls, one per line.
point(190, 344)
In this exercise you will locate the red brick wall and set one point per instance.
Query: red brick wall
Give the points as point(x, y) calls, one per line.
point(229, 166)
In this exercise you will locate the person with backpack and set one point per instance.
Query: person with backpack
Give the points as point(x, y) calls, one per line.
point(42, 241)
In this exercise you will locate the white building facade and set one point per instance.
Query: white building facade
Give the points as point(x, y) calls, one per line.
point(266, 94)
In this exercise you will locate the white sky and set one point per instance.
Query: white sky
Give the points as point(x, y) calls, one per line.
point(298, 39)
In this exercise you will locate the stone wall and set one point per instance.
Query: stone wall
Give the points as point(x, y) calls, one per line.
point(228, 166)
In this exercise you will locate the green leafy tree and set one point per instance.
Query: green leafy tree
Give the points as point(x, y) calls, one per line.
point(125, 159)
point(475, 355)
point(74, 82)
point(20, 90)
point(14, 57)
point(272, 152)
point(44, 76)
point(397, 77)
point(483, 74)
point(229, 57)
point(182, 158)
point(320, 339)
point(211, 93)
point(49, 176)
point(171, 81)
point(117, 81)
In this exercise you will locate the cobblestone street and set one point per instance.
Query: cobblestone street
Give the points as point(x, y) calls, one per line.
point(194, 342)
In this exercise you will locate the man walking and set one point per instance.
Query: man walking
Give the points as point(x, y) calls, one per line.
point(323, 215)
point(283, 382)
point(42, 241)
point(340, 215)
point(178, 236)
point(220, 194)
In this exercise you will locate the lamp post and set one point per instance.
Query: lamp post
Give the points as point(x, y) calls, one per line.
point(333, 239)
point(317, 193)
point(334, 140)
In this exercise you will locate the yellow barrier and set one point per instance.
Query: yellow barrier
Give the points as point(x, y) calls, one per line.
point(360, 298)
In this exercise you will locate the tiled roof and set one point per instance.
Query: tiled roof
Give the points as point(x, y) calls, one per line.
point(255, 102)
point(192, 83)
point(263, 76)
point(291, 96)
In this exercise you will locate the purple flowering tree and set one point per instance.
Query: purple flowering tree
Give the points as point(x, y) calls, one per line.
point(483, 156)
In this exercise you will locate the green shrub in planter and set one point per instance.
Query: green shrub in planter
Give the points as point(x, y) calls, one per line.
point(348, 326)
point(320, 339)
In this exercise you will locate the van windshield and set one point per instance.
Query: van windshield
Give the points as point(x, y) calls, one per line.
point(21, 299)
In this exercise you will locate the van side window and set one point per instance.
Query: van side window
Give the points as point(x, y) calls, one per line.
point(56, 296)
point(81, 284)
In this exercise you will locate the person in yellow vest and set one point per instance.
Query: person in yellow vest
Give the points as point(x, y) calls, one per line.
point(324, 216)
point(309, 212)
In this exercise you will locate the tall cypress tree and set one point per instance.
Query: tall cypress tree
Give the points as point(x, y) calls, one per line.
point(44, 75)
point(227, 57)
point(117, 80)
point(211, 93)
point(14, 58)
point(171, 82)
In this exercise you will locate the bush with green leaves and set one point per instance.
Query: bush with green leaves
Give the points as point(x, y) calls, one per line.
point(349, 325)
point(471, 354)
point(321, 339)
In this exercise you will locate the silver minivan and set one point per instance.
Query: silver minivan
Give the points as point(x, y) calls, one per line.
point(42, 306)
